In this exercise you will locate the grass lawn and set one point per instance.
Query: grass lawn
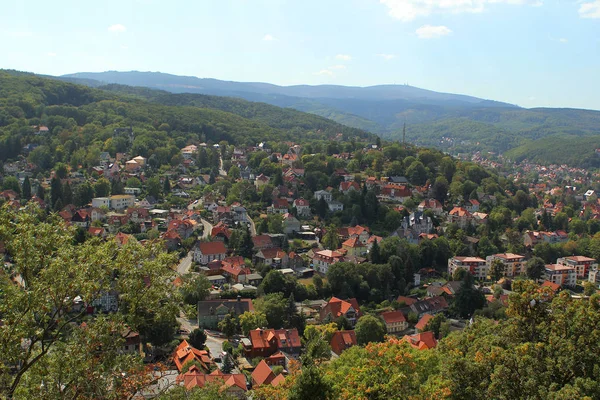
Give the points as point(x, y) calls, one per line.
point(308, 281)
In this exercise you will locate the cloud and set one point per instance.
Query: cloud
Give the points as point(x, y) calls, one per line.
point(117, 28)
point(51, 54)
point(432, 32)
point(339, 66)
point(124, 47)
point(386, 57)
point(563, 40)
point(269, 38)
point(408, 10)
point(324, 72)
point(343, 57)
point(21, 34)
point(590, 9)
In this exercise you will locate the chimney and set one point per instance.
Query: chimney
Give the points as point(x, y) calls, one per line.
point(239, 298)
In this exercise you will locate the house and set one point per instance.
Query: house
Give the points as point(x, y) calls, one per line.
point(261, 181)
point(476, 266)
point(342, 340)
point(233, 385)
point(335, 206)
point(265, 342)
point(396, 193)
point(262, 242)
point(323, 194)
point(422, 323)
point(302, 208)
point(272, 256)
point(421, 341)
point(431, 204)
point(336, 308)
point(184, 228)
point(221, 232)
point(290, 224)
point(172, 240)
point(185, 353)
point(116, 202)
point(216, 280)
point(205, 252)
point(563, 275)
point(361, 232)
point(280, 206)
point(460, 216)
point(97, 232)
point(472, 205)
point(347, 187)
point(235, 269)
point(211, 312)
point(354, 247)
point(323, 259)
point(431, 305)
point(582, 264)
point(262, 374)
point(514, 264)
point(395, 321)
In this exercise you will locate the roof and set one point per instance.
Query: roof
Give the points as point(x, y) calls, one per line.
point(338, 307)
point(508, 256)
point(554, 286)
point(279, 379)
point(392, 317)
point(407, 300)
point(280, 338)
point(470, 259)
point(262, 374)
point(342, 340)
point(421, 341)
point(195, 378)
point(559, 267)
point(207, 248)
point(353, 242)
point(185, 352)
point(328, 253)
point(239, 306)
point(580, 259)
point(423, 321)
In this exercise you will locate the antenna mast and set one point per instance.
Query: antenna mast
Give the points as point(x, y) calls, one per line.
point(404, 134)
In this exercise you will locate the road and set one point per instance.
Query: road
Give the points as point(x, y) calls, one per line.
point(207, 228)
point(184, 264)
point(222, 172)
point(252, 226)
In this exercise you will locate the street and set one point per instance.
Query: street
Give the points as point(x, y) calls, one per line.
point(207, 228)
point(184, 264)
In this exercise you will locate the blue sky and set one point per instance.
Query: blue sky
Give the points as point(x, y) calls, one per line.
point(526, 52)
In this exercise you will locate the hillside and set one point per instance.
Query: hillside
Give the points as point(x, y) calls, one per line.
point(455, 123)
point(159, 119)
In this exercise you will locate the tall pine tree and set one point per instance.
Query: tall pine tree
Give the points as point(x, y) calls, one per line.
point(26, 190)
point(55, 191)
point(167, 186)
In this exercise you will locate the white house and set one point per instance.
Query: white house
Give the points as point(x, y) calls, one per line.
point(323, 194)
point(206, 252)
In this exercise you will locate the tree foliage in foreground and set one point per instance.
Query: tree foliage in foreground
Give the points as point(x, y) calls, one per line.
point(547, 348)
point(46, 337)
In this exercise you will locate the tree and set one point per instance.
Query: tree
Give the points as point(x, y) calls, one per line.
point(589, 288)
point(369, 329)
point(55, 191)
point(167, 186)
point(273, 305)
point(322, 208)
point(467, 298)
point(497, 270)
point(102, 187)
point(228, 325)
point(435, 324)
point(133, 182)
point(374, 253)
point(83, 194)
point(310, 384)
point(247, 245)
point(26, 190)
point(535, 268)
point(59, 349)
point(459, 274)
point(252, 320)
point(195, 288)
point(197, 338)
point(331, 239)
point(227, 366)
point(153, 187)
point(67, 195)
point(40, 191)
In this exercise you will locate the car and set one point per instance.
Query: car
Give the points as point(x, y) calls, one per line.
point(183, 332)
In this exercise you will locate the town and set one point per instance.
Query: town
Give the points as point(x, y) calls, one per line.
point(280, 242)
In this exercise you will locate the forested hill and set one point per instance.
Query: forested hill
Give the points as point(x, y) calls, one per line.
point(78, 116)
point(453, 123)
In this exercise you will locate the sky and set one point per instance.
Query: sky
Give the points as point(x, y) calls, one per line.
point(534, 53)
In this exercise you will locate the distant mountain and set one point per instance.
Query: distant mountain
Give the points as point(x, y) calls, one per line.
point(455, 123)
